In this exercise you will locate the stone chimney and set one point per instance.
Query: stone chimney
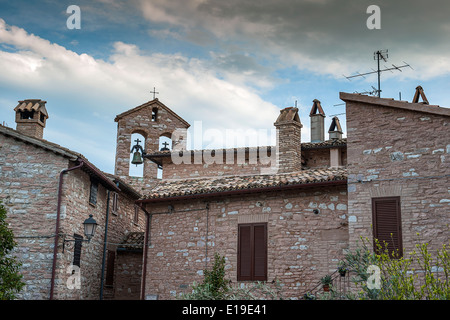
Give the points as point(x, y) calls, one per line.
point(335, 131)
point(317, 122)
point(289, 128)
point(31, 116)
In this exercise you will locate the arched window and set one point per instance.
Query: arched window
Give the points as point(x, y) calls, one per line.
point(136, 170)
point(165, 144)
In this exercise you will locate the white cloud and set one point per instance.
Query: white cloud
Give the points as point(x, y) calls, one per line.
point(84, 85)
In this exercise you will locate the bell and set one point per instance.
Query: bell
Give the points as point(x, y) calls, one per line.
point(137, 158)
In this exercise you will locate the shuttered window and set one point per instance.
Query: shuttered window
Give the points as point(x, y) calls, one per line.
point(387, 226)
point(252, 252)
point(77, 249)
point(93, 192)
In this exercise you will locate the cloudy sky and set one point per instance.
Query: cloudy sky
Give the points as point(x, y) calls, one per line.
point(229, 64)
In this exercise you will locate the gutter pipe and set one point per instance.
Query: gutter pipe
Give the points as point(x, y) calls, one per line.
point(58, 218)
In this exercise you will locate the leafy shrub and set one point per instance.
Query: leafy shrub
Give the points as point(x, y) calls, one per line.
point(216, 287)
point(10, 279)
point(409, 277)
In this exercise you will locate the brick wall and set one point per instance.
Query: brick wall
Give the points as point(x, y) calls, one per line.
point(399, 152)
point(302, 246)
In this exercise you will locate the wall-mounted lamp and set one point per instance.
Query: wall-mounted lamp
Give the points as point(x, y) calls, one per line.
point(90, 225)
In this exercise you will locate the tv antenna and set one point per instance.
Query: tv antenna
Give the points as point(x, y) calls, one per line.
point(379, 55)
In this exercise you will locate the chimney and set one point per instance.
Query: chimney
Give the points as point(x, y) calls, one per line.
point(31, 116)
point(335, 131)
point(317, 122)
point(289, 128)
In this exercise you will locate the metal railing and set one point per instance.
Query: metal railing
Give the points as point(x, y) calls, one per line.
point(339, 286)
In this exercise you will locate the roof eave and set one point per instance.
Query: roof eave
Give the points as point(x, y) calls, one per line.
point(245, 191)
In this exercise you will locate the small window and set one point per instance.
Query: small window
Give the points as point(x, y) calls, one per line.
point(42, 118)
point(252, 252)
point(136, 215)
point(154, 114)
point(93, 193)
point(115, 203)
point(77, 250)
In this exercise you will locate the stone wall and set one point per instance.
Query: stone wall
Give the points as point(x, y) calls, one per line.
point(302, 246)
point(140, 121)
point(28, 188)
point(394, 151)
point(128, 275)
point(29, 178)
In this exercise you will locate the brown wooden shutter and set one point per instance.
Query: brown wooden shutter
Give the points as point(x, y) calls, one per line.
point(387, 224)
point(244, 253)
point(252, 252)
point(260, 252)
point(77, 249)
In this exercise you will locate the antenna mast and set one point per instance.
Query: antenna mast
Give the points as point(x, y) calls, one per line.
point(380, 55)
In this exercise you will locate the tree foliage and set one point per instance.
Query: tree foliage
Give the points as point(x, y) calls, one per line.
point(10, 279)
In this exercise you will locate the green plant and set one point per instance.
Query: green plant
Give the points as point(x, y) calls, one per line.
point(326, 280)
point(413, 276)
point(10, 279)
point(216, 287)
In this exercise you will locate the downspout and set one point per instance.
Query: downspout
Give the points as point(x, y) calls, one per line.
point(104, 247)
point(144, 266)
point(58, 218)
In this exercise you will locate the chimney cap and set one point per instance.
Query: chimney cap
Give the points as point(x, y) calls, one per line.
point(288, 115)
point(420, 93)
point(335, 125)
point(316, 109)
point(32, 105)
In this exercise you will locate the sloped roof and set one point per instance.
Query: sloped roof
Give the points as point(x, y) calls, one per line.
point(149, 104)
point(391, 103)
point(180, 188)
point(61, 151)
point(133, 241)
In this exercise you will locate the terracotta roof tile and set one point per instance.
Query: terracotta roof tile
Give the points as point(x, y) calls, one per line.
point(197, 186)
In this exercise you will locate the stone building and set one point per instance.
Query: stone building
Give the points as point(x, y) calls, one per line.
point(286, 212)
point(49, 191)
point(398, 165)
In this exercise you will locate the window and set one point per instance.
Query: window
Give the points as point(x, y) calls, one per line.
point(77, 250)
point(136, 215)
point(252, 252)
point(387, 226)
point(154, 114)
point(115, 203)
point(93, 192)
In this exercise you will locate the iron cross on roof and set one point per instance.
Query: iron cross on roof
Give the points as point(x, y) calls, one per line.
point(165, 144)
point(154, 93)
